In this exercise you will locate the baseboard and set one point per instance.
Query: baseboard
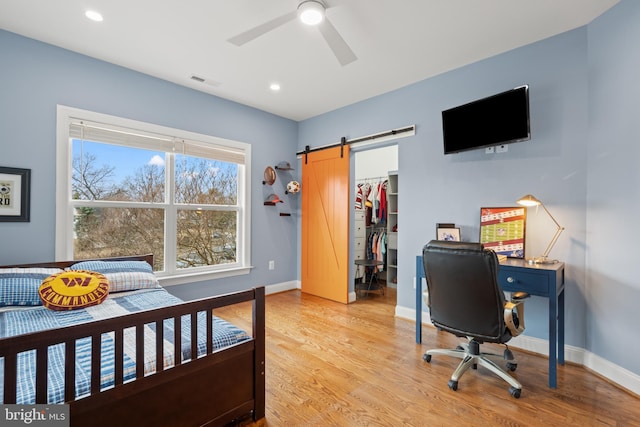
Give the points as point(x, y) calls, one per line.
point(294, 284)
point(352, 297)
point(282, 287)
point(612, 372)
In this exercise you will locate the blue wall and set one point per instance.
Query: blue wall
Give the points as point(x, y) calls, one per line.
point(579, 162)
point(613, 202)
point(35, 77)
point(437, 188)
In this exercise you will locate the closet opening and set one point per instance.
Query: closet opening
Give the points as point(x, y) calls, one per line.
point(375, 221)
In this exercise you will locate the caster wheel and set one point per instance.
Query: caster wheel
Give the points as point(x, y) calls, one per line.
point(508, 355)
point(461, 348)
point(426, 358)
point(475, 366)
point(515, 392)
point(453, 385)
point(512, 366)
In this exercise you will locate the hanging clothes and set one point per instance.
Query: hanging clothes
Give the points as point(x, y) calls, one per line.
point(359, 197)
point(371, 196)
point(371, 199)
point(382, 202)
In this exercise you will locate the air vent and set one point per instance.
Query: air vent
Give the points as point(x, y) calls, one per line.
point(205, 80)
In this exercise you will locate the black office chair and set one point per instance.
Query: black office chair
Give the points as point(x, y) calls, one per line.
point(465, 299)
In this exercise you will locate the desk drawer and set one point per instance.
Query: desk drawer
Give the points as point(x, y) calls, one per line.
point(515, 279)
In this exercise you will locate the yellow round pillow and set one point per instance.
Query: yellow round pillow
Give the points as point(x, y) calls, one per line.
point(73, 289)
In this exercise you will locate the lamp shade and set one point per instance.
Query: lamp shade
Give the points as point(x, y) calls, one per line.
point(311, 12)
point(528, 200)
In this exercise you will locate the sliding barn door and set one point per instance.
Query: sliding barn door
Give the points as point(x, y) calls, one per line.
point(325, 224)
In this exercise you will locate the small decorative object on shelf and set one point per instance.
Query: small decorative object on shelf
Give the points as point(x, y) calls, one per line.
point(284, 166)
point(269, 176)
point(272, 200)
point(293, 187)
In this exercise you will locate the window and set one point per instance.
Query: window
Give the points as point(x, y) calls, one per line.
point(131, 188)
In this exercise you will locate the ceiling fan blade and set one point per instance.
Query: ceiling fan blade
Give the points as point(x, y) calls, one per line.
point(340, 49)
point(256, 32)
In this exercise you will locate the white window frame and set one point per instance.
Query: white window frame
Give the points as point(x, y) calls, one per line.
point(66, 116)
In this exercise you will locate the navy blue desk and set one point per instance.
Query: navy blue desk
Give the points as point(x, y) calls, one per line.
point(544, 280)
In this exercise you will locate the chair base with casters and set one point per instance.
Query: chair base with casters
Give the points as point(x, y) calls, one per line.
point(472, 357)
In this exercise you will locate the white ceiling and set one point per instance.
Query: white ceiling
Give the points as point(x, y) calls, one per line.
point(397, 42)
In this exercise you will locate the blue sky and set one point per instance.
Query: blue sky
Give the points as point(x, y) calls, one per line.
point(124, 160)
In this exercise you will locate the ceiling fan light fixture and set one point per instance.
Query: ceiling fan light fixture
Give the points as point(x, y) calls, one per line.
point(311, 12)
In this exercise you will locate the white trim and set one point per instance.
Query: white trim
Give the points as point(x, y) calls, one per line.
point(617, 374)
point(614, 373)
point(292, 285)
point(282, 287)
point(184, 278)
point(352, 297)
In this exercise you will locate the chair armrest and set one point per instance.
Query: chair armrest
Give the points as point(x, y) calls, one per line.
point(514, 314)
point(519, 296)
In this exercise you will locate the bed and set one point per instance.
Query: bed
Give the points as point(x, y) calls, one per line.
point(49, 357)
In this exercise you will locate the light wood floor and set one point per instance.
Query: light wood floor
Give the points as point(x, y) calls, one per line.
point(330, 364)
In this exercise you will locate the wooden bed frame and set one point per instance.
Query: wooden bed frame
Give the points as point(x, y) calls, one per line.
point(215, 389)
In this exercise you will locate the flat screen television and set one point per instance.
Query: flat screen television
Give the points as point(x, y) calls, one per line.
point(495, 120)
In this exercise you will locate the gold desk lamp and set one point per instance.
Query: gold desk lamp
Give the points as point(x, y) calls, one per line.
point(528, 201)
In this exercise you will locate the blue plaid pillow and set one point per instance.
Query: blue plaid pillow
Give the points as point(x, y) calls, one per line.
point(19, 286)
point(122, 275)
point(112, 266)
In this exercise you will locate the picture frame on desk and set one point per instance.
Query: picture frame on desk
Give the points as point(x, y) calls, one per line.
point(503, 230)
point(15, 186)
point(448, 232)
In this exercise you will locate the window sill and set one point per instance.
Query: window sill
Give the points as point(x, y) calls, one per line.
point(182, 278)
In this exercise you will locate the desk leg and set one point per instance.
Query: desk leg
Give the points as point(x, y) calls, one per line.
point(561, 327)
point(418, 284)
point(553, 313)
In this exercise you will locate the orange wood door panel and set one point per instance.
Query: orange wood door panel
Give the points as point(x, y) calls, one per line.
point(325, 224)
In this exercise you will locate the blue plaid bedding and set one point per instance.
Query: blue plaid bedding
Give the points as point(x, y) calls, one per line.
point(20, 321)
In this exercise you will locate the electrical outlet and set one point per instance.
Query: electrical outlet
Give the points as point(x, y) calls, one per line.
point(489, 150)
point(272, 265)
point(502, 148)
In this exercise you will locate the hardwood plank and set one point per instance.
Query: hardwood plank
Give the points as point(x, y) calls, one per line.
point(330, 364)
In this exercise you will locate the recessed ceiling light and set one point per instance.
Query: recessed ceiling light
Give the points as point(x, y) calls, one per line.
point(274, 87)
point(93, 15)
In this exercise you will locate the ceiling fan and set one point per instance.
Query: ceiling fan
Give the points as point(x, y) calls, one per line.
point(310, 12)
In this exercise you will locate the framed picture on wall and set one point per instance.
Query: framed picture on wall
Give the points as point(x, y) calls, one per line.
point(503, 230)
point(448, 232)
point(14, 194)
